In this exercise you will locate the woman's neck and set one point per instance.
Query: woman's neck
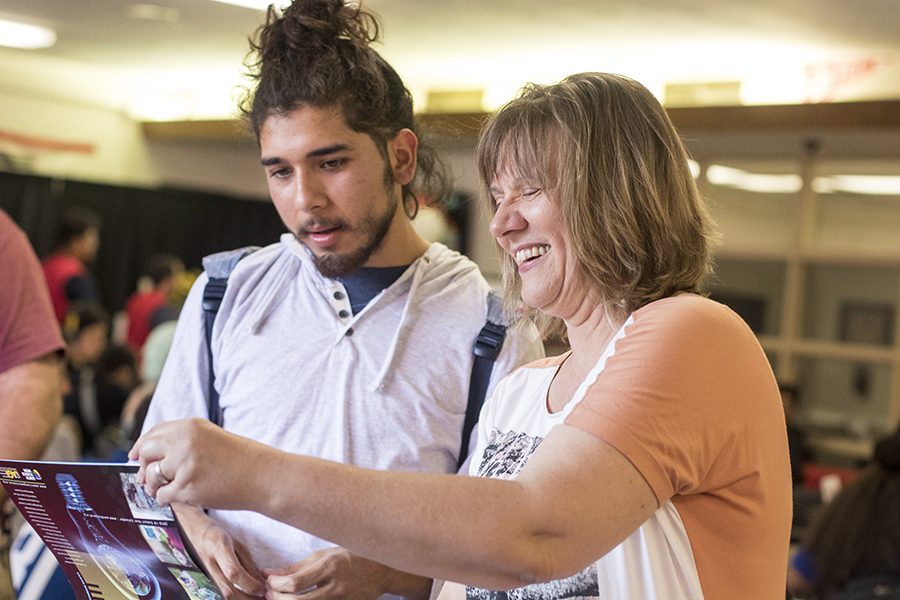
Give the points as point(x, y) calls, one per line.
point(589, 337)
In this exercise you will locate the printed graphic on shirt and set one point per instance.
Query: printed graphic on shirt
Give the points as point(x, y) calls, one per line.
point(504, 456)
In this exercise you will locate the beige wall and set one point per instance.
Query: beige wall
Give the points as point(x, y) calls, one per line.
point(116, 151)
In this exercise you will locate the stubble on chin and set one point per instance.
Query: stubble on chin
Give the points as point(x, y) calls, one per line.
point(334, 265)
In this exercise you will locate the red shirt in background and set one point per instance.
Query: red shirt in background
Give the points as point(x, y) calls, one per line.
point(58, 270)
point(140, 308)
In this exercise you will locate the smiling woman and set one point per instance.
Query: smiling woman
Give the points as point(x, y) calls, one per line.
point(622, 187)
point(650, 461)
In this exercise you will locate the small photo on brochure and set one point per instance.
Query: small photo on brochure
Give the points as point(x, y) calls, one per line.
point(196, 584)
point(142, 505)
point(167, 545)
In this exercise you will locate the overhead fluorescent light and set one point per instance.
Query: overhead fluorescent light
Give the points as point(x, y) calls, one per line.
point(753, 182)
point(876, 185)
point(26, 37)
point(879, 185)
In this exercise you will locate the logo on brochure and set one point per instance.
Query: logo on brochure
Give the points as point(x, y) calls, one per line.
point(31, 474)
point(9, 473)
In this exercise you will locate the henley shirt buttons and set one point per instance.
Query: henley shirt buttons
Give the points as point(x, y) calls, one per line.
point(344, 314)
point(339, 295)
point(349, 332)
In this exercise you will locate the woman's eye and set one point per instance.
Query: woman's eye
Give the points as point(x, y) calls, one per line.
point(529, 192)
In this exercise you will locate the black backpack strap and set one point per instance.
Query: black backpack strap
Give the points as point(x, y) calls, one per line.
point(218, 267)
point(486, 350)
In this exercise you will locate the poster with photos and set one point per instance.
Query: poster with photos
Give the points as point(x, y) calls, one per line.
point(110, 537)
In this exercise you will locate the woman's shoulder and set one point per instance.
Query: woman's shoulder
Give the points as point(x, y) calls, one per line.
point(688, 310)
point(688, 319)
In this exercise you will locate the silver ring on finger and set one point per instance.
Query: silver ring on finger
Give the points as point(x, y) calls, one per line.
point(157, 470)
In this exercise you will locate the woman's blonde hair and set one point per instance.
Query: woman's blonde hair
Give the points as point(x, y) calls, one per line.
point(604, 148)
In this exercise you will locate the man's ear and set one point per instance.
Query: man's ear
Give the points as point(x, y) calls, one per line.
point(402, 150)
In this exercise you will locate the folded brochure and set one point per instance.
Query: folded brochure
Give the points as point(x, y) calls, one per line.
point(111, 538)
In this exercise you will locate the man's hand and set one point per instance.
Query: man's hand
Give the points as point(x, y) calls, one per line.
point(227, 560)
point(337, 573)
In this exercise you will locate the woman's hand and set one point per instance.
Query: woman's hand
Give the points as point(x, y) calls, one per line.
point(196, 462)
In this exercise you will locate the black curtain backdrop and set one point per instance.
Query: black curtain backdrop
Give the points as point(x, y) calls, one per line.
point(137, 223)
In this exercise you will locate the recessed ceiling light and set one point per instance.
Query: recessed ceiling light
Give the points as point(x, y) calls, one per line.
point(27, 37)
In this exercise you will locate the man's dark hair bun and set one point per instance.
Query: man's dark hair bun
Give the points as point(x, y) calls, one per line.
point(314, 22)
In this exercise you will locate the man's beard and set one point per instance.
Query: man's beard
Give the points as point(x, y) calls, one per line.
point(374, 229)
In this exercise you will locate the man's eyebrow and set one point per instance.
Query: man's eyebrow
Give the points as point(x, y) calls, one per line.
point(324, 151)
point(327, 150)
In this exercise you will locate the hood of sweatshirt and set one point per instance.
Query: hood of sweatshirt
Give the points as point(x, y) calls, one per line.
point(275, 267)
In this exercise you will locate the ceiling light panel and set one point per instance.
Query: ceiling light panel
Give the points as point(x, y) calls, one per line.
point(753, 182)
point(877, 185)
point(26, 37)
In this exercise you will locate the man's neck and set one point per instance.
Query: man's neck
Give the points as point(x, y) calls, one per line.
point(402, 246)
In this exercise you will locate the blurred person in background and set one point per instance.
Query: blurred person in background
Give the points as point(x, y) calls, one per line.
point(86, 331)
point(155, 352)
point(67, 269)
point(117, 377)
point(152, 295)
point(852, 551)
